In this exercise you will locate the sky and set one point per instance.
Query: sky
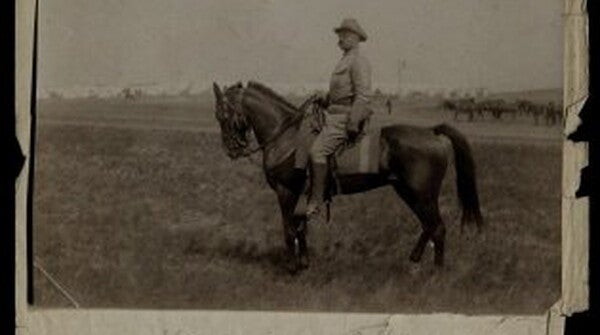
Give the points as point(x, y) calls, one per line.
point(500, 45)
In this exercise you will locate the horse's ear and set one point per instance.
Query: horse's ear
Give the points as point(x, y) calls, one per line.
point(218, 94)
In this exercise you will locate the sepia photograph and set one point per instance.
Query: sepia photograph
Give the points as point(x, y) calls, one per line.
point(314, 156)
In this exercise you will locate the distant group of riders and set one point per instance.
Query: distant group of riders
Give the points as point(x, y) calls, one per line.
point(550, 112)
point(131, 95)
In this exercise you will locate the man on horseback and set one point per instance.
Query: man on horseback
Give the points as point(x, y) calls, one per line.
point(413, 159)
point(347, 108)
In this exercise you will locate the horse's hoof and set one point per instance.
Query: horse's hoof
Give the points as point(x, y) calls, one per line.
point(414, 268)
point(304, 262)
point(293, 270)
point(414, 257)
point(469, 233)
point(291, 266)
point(480, 236)
point(438, 271)
point(316, 219)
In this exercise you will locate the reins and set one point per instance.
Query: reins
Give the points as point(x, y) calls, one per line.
point(282, 129)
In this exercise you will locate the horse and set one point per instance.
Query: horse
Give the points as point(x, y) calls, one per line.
point(553, 114)
point(465, 105)
point(524, 107)
point(413, 160)
point(532, 109)
point(128, 94)
point(495, 107)
point(448, 105)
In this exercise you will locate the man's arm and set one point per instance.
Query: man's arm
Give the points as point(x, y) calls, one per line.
point(322, 99)
point(360, 74)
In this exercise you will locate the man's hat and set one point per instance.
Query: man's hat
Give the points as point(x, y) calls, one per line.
point(353, 26)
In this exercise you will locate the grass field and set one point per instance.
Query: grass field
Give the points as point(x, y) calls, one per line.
point(161, 218)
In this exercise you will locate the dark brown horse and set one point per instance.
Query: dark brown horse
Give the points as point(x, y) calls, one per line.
point(413, 160)
point(466, 106)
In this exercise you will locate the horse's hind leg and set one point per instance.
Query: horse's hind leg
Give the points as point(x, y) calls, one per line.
point(419, 205)
point(419, 248)
point(439, 237)
point(433, 229)
point(424, 205)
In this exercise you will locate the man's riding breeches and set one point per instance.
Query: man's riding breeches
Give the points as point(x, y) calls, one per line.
point(331, 137)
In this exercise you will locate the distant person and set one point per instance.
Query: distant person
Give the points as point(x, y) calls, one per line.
point(347, 106)
point(388, 104)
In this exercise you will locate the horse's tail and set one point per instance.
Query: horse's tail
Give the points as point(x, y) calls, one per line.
point(465, 174)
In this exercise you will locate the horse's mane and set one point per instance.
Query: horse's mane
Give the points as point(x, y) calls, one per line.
point(269, 92)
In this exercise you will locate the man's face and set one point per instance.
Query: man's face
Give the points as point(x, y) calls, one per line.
point(347, 40)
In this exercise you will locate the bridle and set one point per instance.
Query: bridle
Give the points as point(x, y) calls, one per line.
point(238, 108)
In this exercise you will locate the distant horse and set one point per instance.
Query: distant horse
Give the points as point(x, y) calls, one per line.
point(463, 106)
point(448, 105)
point(553, 114)
point(524, 107)
point(532, 109)
point(413, 160)
point(498, 107)
point(128, 94)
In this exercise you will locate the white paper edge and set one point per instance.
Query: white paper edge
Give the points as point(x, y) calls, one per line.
point(574, 295)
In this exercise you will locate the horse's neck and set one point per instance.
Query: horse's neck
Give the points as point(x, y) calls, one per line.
point(266, 117)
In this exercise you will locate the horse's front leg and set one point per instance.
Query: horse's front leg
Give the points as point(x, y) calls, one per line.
point(301, 227)
point(294, 243)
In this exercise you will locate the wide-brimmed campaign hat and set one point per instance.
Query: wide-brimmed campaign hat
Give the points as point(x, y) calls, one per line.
point(352, 25)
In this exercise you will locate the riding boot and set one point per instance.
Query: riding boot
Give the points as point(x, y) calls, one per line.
point(317, 195)
point(300, 179)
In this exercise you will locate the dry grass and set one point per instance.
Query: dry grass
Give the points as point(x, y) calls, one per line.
point(162, 219)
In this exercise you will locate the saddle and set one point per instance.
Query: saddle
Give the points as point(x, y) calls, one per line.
point(359, 156)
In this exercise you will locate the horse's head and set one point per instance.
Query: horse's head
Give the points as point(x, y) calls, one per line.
point(232, 119)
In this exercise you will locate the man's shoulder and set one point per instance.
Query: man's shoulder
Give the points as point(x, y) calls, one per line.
point(360, 60)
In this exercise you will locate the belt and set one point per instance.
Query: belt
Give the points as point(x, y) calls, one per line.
point(347, 101)
point(339, 109)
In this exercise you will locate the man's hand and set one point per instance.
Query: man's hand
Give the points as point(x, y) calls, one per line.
point(352, 135)
point(322, 99)
point(352, 131)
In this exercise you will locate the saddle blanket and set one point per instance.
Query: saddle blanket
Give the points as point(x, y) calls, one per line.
point(361, 157)
point(355, 158)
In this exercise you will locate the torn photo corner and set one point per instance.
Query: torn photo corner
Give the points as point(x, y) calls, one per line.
point(192, 171)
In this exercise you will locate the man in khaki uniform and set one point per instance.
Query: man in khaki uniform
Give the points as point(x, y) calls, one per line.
point(347, 106)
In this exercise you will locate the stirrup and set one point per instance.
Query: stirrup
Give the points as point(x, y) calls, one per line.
point(312, 209)
point(316, 213)
point(315, 219)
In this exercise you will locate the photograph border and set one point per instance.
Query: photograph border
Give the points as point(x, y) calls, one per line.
point(575, 244)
